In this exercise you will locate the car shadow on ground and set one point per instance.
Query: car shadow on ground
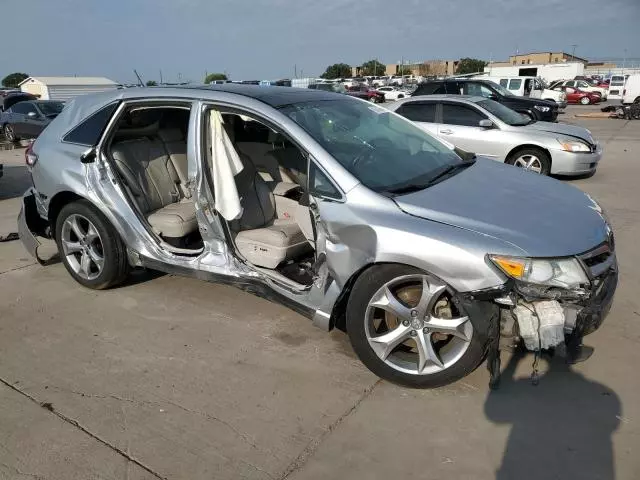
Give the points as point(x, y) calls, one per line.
point(568, 178)
point(140, 275)
point(560, 428)
point(15, 181)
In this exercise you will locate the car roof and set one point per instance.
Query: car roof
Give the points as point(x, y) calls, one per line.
point(275, 96)
point(436, 98)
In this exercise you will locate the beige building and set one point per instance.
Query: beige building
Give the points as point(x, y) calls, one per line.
point(428, 67)
point(539, 58)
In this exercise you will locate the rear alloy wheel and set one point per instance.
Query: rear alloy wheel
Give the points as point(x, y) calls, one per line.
point(407, 327)
point(585, 101)
point(532, 160)
point(90, 248)
point(9, 133)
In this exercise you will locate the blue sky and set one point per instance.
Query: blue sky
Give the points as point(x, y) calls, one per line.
point(264, 39)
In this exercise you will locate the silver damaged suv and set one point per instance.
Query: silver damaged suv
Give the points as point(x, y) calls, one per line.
point(344, 211)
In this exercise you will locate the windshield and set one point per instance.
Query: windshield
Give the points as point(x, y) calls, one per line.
point(50, 108)
point(500, 89)
point(505, 114)
point(384, 151)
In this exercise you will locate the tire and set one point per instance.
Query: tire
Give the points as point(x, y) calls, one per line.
point(365, 288)
point(544, 161)
point(74, 247)
point(10, 134)
point(585, 101)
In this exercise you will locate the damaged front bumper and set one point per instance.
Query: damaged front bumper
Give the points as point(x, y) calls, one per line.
point(544, 323)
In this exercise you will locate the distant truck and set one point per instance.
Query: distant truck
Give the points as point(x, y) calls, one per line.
point(529, 87)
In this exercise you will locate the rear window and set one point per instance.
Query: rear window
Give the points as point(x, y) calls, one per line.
point(90, 130)
point(418, 111)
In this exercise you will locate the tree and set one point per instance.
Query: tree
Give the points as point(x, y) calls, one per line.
point(470, 65)
point(404, 70)
point(337, 70)
point(152, 83)
point(215, 76)
point(14, 79)
point(373, 67)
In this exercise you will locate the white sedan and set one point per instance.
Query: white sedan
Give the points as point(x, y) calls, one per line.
point(393, 93)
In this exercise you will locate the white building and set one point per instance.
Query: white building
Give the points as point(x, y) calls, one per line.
point(65, 88)
point(547, 71)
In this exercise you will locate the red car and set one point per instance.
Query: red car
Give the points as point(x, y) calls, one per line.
point(366, 94)
point(575, 95)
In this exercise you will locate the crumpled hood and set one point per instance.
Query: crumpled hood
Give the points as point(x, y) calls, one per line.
point(542, 216)
point(561, 129)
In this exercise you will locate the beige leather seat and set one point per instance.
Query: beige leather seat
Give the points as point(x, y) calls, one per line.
point(263, 239)
point(151, 176)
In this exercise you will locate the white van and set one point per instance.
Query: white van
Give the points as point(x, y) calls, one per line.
point(631, 92)
point(529, 87)
point(616, 86)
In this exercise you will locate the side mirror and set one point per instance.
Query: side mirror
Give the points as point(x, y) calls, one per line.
point(485, 123)
point(492, 96)
point(32, 114)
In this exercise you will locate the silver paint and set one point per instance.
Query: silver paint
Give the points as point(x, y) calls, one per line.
point(443, 230)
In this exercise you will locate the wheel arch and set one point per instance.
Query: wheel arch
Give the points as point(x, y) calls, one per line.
point(338, 317)
point(57, 203)
point(526, 146)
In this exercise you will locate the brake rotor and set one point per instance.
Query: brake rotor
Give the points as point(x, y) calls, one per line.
point(410, 296)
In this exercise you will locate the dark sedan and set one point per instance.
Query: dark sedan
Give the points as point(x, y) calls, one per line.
point(28, 118)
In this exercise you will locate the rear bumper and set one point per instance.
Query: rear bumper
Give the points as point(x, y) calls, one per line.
point(30, 224)
point(567, 163)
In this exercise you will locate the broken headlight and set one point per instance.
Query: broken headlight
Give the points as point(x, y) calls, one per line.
point(553, 272)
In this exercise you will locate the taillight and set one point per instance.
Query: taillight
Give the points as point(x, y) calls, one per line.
point(30, 158)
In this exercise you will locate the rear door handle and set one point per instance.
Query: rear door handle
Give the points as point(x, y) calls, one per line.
point(446, 132)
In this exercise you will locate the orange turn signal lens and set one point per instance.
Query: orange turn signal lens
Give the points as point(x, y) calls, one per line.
point(511, 266)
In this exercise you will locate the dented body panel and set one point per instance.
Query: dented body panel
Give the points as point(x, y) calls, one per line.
point(446, 230)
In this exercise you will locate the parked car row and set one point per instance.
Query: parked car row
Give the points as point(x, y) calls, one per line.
point(352, 215)
point(533, 108)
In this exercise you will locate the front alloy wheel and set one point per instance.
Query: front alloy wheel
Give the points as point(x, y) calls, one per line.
point(408, 327)
point(408, 318)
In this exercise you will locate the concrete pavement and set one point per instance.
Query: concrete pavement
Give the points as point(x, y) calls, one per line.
point(169, 377)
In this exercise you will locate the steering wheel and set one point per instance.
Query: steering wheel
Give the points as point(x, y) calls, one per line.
point(370, 154)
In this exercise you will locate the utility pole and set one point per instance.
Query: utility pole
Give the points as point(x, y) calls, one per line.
point(573, 52)
point(160, 76)
point(624, 61)
point(295, 71)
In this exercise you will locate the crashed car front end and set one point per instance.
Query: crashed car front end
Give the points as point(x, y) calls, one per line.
point(555, 301)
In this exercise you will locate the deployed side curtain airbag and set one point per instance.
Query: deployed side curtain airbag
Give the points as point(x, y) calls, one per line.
point(226, 165)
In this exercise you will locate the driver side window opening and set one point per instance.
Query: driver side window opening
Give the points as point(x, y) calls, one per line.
point(148, 148)
point(273, 230)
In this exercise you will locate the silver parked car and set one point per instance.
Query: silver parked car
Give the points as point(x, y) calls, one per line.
point(488, 128)
point(348, 213)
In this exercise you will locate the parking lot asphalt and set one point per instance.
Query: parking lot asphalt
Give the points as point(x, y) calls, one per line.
point(169, 377)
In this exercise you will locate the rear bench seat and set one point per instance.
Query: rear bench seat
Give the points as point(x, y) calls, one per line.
point(155, 173)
